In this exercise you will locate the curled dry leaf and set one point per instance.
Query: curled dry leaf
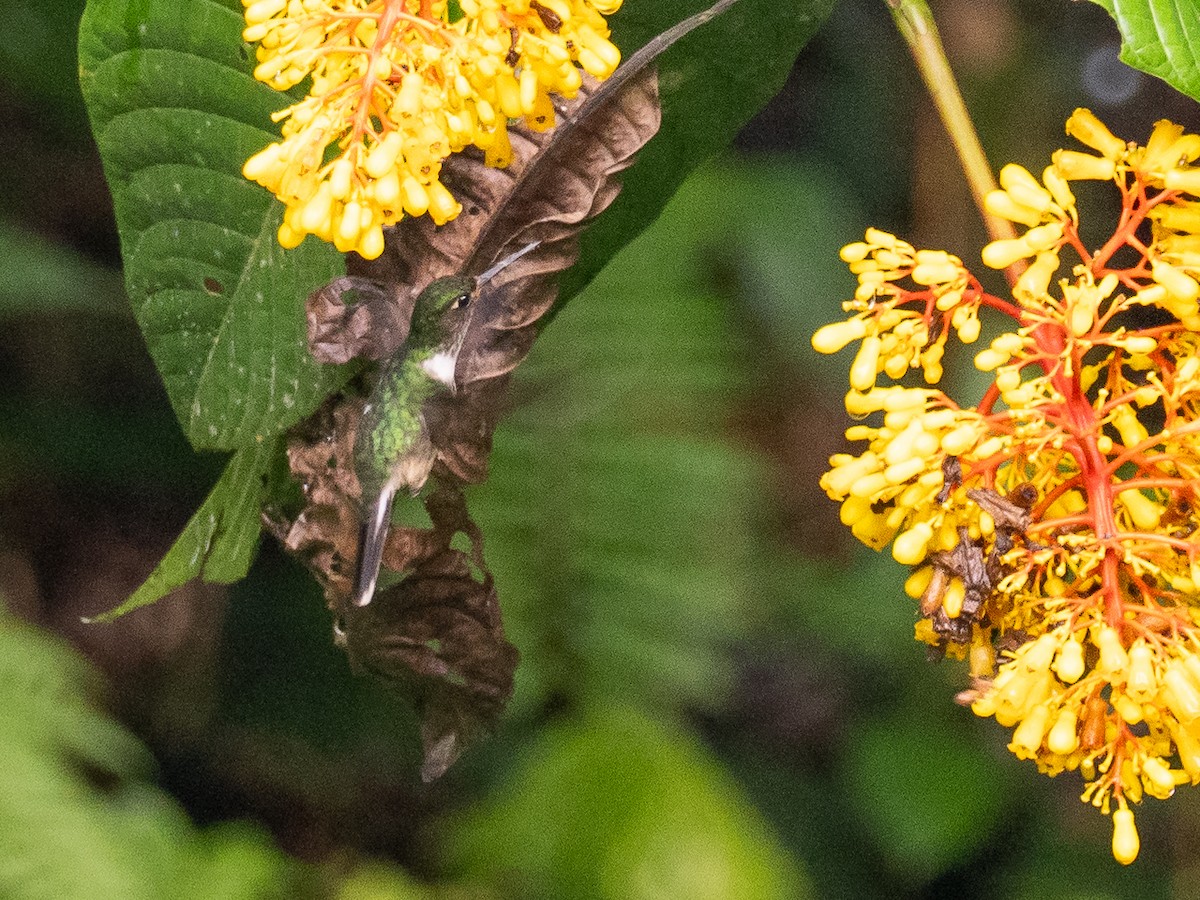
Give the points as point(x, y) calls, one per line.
point(436, 637)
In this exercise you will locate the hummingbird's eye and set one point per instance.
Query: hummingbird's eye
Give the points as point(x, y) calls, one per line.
point(460, 301)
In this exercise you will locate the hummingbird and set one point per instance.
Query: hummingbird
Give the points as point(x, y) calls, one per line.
point(392, 449)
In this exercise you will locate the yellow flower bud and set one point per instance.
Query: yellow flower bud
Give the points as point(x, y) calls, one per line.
point(1188, 747)
point(960, 440)
point(1132, 431)
point(1157, 778)
point(1064, 735)
point(1178, 283)
point(288, 237)
point(915, 584)
point(1181, 694)
point(1036, 657)
point(442, 205)
point(1027, 739)
point(1002, 204)
point(1186, 180)
point(1069, 664)
point(1024, 189)
point(910, 547)
point(866, 364)
point(1075, 166)
point(1143, 512)
point(1140, 344)
point(1087, 129)
point(1113, 658)
point(833, 337)
point(1044, 236)
point(340, 177)
point(383, 155)
point(1036, 279)
point(370, 245)
point(1127, 708)
point(1059, 188)
point(1166, 149)
point(318, 211)
point(1003, 253)
point(1184, 216)
point(952, 600)
point(1125, 843)
point(935, 267)
point(855, 252)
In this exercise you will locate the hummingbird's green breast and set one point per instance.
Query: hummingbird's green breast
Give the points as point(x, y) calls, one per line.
point(393, 430)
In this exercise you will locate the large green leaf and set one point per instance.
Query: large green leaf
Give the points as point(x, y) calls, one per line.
point(1161, 37)
point(176, 113)
point(218, 542)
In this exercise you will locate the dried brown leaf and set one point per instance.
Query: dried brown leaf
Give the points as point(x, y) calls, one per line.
point(436, 637)
point(325, 532)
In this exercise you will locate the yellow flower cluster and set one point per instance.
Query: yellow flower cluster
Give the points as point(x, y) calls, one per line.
point(1050, 524)
point(399, 85)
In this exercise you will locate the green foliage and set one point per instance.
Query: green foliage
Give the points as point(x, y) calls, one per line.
point(1160, 37)
point(78, 818)
point(929, 794)
point(218, 542)
point(176, 112)
point(37, 276)
point(618, 514)
point(615, 806)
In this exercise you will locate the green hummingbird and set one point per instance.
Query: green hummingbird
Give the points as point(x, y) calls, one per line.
point(392, 449)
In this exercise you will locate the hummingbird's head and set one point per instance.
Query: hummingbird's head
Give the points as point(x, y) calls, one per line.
point(441, 318)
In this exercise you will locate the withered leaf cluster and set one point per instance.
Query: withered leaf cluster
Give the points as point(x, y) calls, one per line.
point(436, 634)
point(967, 560)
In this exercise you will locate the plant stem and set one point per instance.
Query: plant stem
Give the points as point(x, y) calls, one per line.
point(915, 23)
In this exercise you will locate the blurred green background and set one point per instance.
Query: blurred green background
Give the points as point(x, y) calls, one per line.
point(719, 695)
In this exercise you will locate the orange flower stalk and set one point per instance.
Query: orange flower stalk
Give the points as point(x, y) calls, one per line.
point(1050, 525)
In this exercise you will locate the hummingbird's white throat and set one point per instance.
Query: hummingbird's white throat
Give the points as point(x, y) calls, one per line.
point(441, 367)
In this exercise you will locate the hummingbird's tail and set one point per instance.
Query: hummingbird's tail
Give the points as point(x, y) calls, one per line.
point(371, 538)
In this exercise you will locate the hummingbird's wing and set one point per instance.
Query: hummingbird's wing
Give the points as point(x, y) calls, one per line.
point(410, 470)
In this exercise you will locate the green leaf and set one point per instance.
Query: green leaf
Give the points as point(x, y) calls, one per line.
point(615, 806)
point(1161, 37)
point(218, 543)
point(63, 836)
point(176, 113)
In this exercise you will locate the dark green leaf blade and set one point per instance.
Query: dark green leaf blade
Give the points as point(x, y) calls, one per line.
point(219, 541)
point(1161, 37)
point(176, 113)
